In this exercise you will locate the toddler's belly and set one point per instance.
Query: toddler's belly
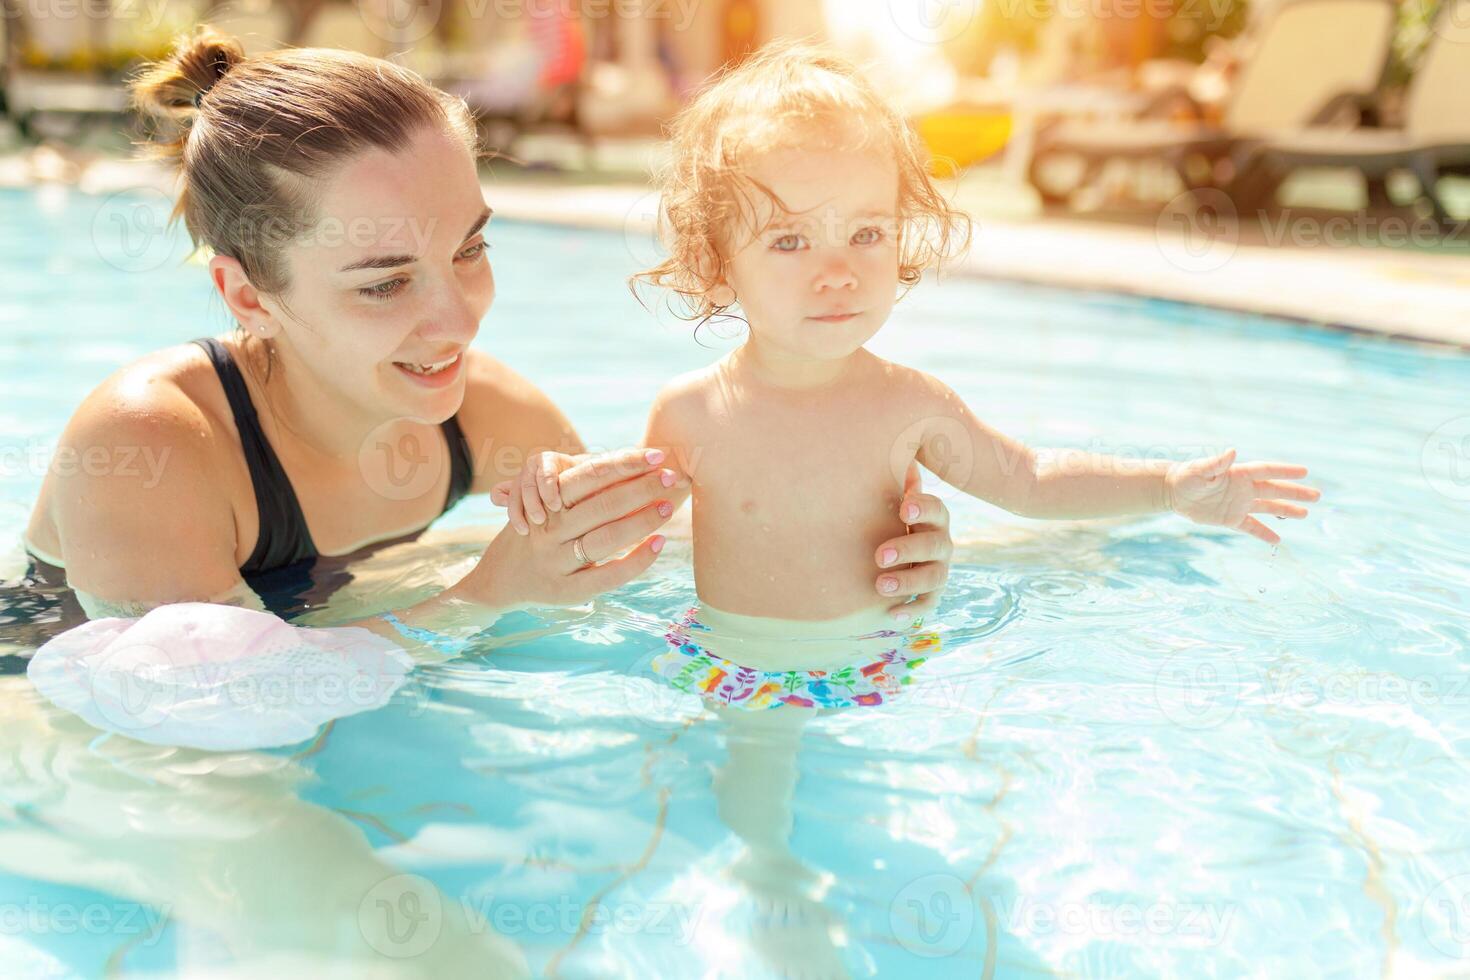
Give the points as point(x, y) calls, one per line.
point(813, 569)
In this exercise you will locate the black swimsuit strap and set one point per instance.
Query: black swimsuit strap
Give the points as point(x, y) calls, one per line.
point(284, 537)
point(461, 462)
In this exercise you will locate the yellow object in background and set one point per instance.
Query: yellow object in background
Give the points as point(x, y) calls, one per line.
point(958, 137)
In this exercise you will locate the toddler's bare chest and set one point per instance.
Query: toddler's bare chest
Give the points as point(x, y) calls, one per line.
point(806, 474)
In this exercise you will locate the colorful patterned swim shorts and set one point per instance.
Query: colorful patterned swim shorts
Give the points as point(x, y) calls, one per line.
point(690, 667)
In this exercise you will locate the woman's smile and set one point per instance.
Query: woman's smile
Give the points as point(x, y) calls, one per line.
point(432, 374)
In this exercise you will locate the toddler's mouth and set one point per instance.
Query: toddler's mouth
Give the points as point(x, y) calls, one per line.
point(834, 317)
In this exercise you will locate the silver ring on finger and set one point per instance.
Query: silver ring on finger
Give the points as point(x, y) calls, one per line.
point(581, 552)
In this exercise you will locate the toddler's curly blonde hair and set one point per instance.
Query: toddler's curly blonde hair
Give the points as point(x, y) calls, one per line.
point(786, 95)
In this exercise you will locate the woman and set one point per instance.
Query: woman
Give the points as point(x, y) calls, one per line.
point(339, 196)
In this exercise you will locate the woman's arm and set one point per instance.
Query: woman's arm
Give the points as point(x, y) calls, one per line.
point(132, 542)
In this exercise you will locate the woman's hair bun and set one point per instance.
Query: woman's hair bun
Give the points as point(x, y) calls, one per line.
point(177, 83)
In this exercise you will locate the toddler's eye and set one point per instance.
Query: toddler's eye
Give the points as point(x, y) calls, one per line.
point(868, 236)
point(787, 243)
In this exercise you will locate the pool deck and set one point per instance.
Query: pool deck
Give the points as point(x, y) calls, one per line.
point(1398, 292)
point(1318, 267)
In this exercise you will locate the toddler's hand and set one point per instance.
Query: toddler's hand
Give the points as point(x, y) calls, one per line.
point(1212, 491)
point(537, 490)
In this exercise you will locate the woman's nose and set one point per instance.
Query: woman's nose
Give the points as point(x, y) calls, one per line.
point(456, 318)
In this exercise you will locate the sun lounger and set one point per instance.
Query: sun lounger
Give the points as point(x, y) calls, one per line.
point(1435, 137)
point(1310, 55)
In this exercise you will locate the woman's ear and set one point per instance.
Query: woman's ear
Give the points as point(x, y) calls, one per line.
point(244, 300)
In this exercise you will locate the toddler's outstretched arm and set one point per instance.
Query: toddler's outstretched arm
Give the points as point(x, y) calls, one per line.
point(1069, 483)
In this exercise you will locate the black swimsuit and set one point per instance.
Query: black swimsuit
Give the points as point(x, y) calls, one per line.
point(284, 537)
point(285, 569)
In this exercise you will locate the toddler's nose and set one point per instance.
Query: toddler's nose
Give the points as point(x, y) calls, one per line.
point(836, 274)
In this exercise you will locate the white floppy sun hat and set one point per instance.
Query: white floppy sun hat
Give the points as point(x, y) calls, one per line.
point(216, 677)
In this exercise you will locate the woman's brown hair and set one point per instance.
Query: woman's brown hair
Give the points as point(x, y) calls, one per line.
point(250, 136)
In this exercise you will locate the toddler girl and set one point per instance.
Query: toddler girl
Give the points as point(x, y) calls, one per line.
point(798, 196)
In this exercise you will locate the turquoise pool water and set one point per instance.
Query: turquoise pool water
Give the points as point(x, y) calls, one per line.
point(1147, 748)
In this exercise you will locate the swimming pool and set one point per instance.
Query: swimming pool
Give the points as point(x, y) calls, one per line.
point(1147, 747)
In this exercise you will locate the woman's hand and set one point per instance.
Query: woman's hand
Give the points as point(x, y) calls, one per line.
point(606, 505)
point(926, 550)
point(1212, 491)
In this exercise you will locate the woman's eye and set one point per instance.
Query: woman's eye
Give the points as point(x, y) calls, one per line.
point(868, 236)
point(474, 251)
point(384, 290)
point(787, 243)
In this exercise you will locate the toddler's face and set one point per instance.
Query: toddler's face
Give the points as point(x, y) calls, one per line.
point(816, 282)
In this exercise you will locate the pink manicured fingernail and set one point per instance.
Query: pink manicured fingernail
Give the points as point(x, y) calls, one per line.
point(911, 512)
point(901, 617)
point(657, 544)
point(654, 456)
point(667, 478)
point(890, 555)
point(665, 508)
point(887, 584)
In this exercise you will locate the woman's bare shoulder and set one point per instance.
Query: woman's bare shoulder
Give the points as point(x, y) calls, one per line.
point(141, 461)
point(173, 390)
